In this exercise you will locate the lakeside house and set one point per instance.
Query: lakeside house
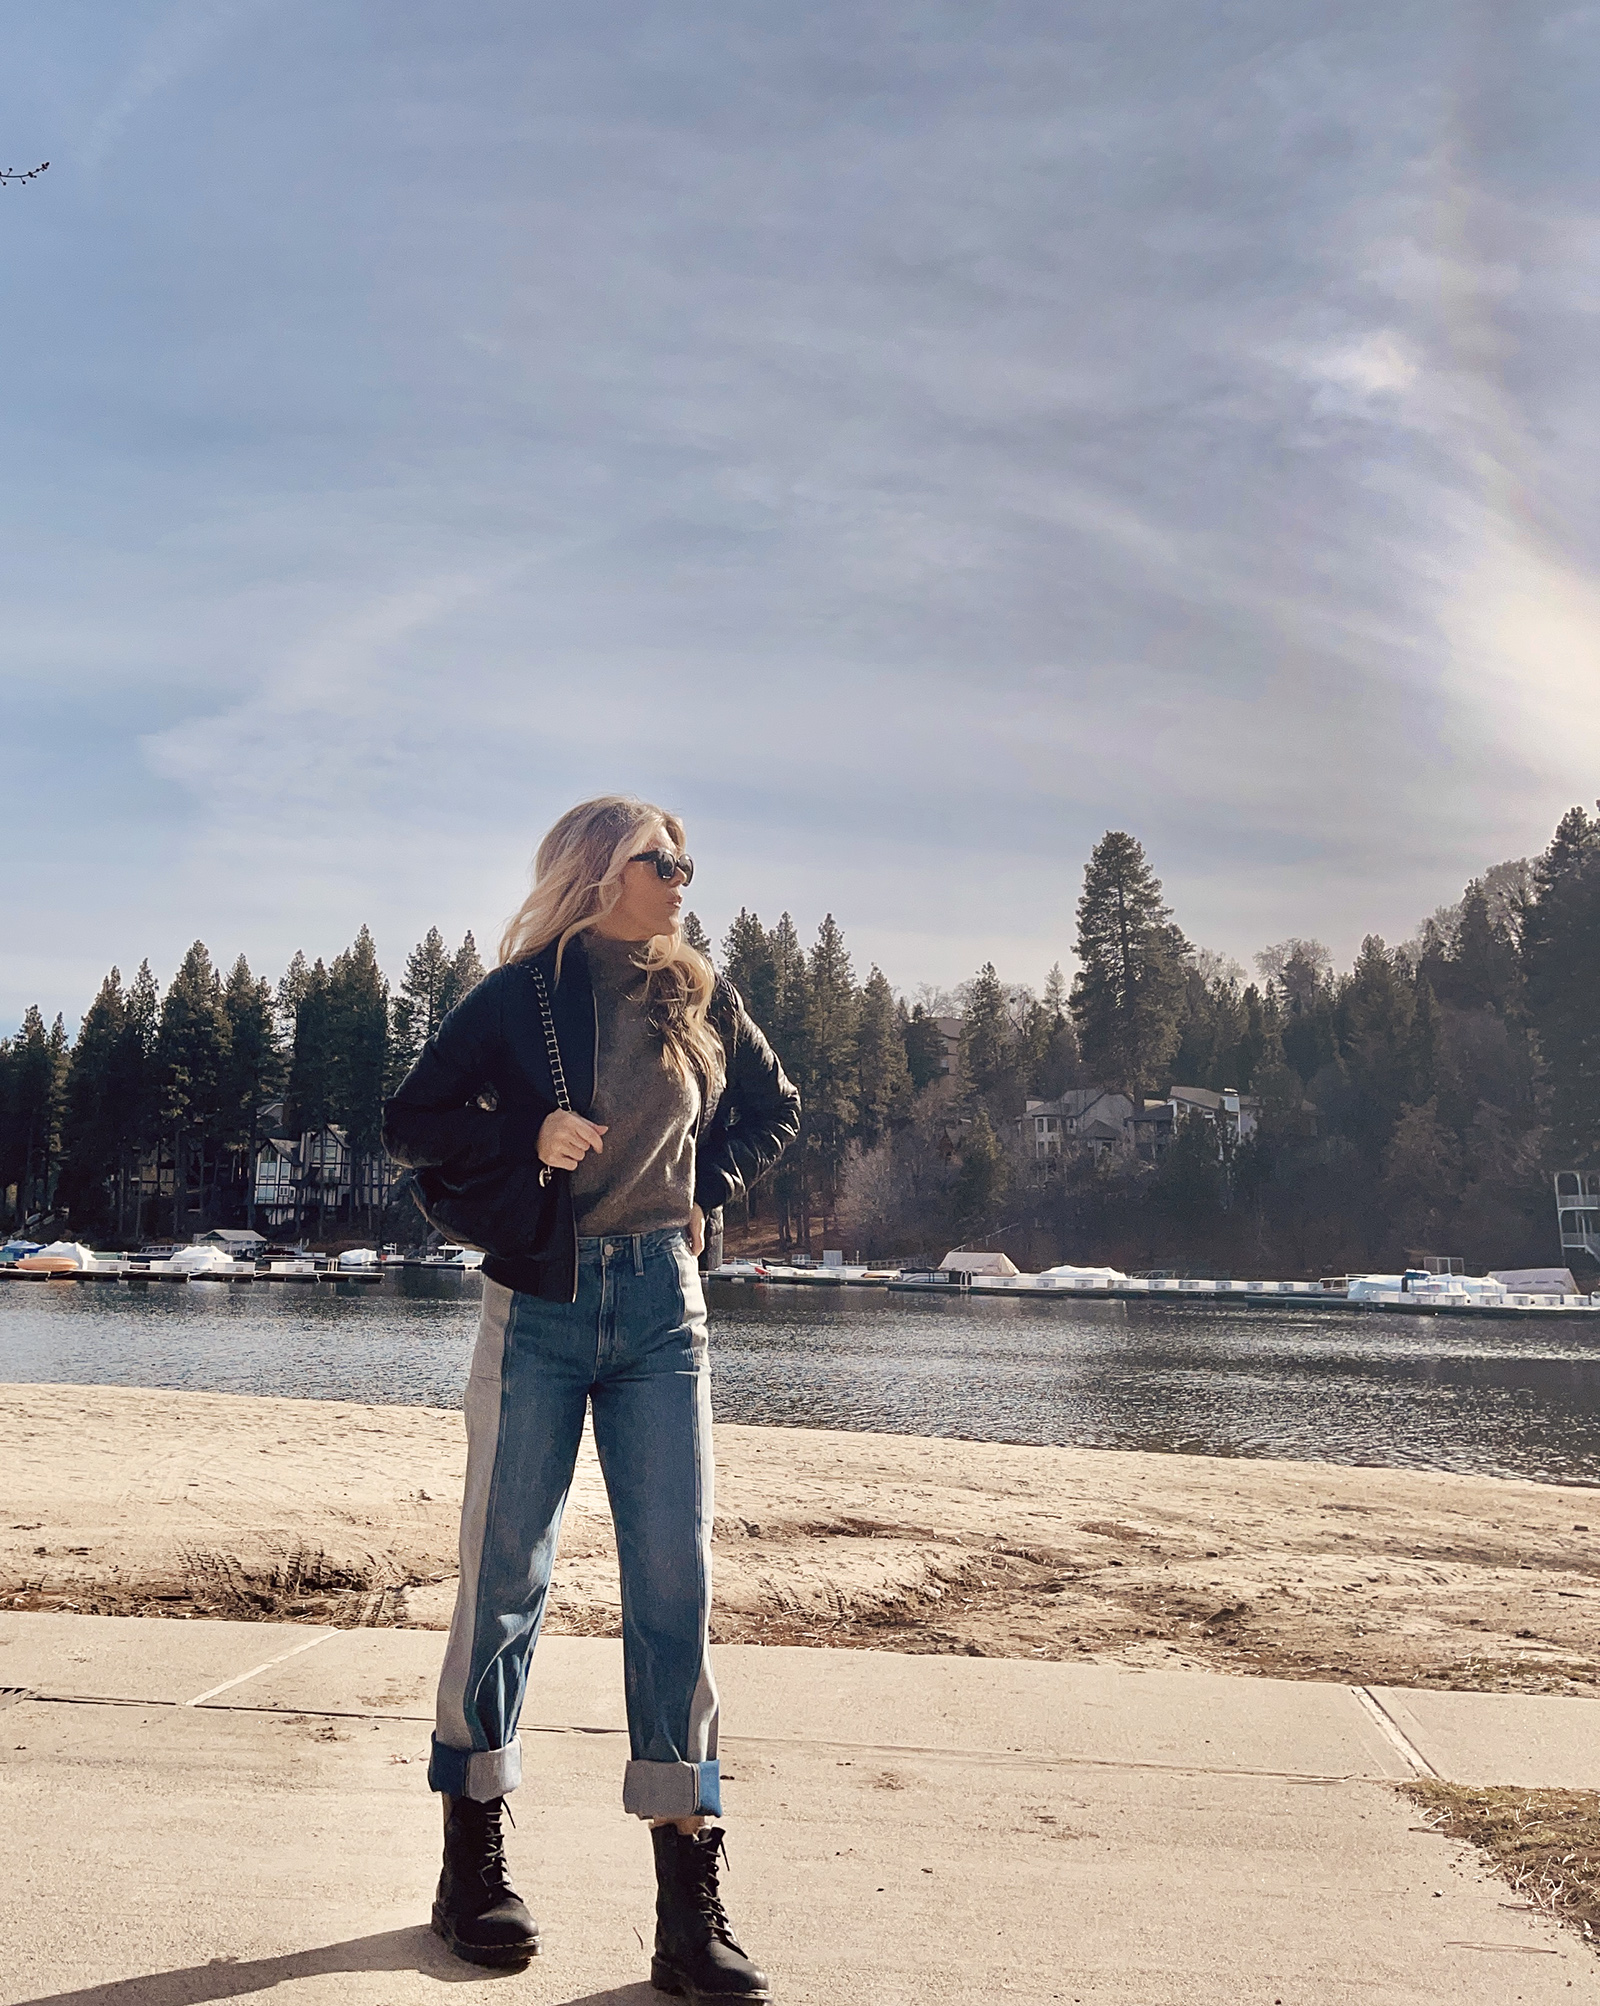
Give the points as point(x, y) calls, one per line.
point(316, 1174)
point(1099, 1122)
point(1093, 1120)
point(1231, 1114)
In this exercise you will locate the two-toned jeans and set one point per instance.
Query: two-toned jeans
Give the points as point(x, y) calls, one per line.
point(633, 1348)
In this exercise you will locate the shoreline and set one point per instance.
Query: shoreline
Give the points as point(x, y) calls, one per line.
point(118, 1500)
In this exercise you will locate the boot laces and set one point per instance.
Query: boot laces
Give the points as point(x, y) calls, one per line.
point(492, 1868)
point(705, 1894)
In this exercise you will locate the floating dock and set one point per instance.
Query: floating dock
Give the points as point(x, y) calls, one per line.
point(1443, 1300)
point(1265, 1295)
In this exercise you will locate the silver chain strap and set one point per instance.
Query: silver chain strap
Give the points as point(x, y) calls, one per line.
point(558, 1077)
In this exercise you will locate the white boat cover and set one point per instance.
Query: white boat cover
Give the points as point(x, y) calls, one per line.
point(358, 1257)
point(65, 1250)
point(195, 1260)
point(961, 1262)
point(1068, 1272)
point(1537, 1281)
point(1366, 1286)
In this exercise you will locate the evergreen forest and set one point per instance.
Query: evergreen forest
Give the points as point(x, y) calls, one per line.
point(1418, 1100)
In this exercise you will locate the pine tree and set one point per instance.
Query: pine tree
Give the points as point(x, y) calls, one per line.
point(790, 1016)
point(255, 1070)
point(311, 1056)
point(8, 1130)
point(292, 987)
point(466, 972)
point(827, 1087)
point(1421, 1181)
point(925, 1048)
point(358, 1021)
point(191, 1062)
point(1052, 1044)
point(135, 1095)
point(883, 1080)
point(1561, 954)
point(1301, 972)
point(56, 1052)
point(1376, 1013)
point(425, 986)
point(987, 1056)
point(789, 1030)
point(1129, 987)
point(1422, 1044)
point(88, 1127)
point(404, 1043)
point(28, 1138)
point(313, 1063)
point(37, 1078)
point(695, 935)
point(749, 964)
point(981, 1185)
point(1055, 991)
point(1482, 973)
point(1260, 1047)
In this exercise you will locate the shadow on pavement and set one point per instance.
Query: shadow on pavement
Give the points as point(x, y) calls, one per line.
point(415, 1949)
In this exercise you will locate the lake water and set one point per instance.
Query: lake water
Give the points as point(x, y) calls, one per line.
point(1312, 1382)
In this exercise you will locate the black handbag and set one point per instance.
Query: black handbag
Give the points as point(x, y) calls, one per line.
point(500, 1206)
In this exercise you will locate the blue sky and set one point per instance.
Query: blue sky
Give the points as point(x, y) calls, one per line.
point(908, 440)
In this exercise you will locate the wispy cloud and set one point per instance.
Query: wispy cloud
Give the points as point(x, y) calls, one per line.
point(909, 443)
point(186, 37)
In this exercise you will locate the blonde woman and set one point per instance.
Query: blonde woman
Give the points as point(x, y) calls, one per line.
point(579, 1116)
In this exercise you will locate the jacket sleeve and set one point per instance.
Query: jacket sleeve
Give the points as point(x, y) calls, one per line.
point(436, 1116)
point(757, 1117)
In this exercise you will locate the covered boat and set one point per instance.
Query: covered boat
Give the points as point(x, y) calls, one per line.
point(61, 1257)
point(963, 1262)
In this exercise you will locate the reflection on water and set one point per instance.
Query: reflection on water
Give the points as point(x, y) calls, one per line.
point(1306, 1382)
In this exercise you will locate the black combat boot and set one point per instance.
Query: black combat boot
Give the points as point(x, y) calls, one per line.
point(477, 1911)
point(697, 1956)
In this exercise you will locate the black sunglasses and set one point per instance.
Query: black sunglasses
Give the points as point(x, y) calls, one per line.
point(667, 865)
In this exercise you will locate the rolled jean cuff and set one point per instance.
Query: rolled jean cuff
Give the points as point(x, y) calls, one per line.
point(672, 1789)
point(482, 1773)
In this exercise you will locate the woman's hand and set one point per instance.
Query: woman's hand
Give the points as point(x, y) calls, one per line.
point(566, 1139)
point(697, 1230)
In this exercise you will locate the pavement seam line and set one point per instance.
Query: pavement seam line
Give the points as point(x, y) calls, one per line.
point(990, 1757)
point(256, 1670)
point(1391, 1730)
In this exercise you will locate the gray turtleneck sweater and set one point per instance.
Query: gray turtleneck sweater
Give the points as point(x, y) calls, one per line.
point(643, 1180)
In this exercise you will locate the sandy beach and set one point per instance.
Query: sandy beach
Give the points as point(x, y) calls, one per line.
point(122, 1501)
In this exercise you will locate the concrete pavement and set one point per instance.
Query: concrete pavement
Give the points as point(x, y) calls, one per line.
point(207, 1811)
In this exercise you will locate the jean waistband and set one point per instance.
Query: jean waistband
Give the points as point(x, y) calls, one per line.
point(594, 1246)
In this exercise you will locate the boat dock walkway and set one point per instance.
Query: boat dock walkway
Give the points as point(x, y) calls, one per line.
point(1265, 1295)
point(1509, 1305)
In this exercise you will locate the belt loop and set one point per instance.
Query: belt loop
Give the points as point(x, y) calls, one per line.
point(638, 1253)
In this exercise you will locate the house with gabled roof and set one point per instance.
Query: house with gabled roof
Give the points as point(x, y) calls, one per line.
point(1083, 1120)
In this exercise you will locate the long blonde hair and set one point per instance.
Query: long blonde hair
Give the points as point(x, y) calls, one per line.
point(577, 879)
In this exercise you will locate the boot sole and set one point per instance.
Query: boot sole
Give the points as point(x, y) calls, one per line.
point(502, 1956)
point(665, 1979)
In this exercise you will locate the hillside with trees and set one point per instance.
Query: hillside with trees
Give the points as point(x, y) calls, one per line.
point(1419, 1099)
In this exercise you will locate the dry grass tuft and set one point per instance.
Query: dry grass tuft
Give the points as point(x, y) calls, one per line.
point(1545, 1844)
point(301, 1585)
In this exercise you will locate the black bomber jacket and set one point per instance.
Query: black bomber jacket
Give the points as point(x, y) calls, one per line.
point(467, 1116)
